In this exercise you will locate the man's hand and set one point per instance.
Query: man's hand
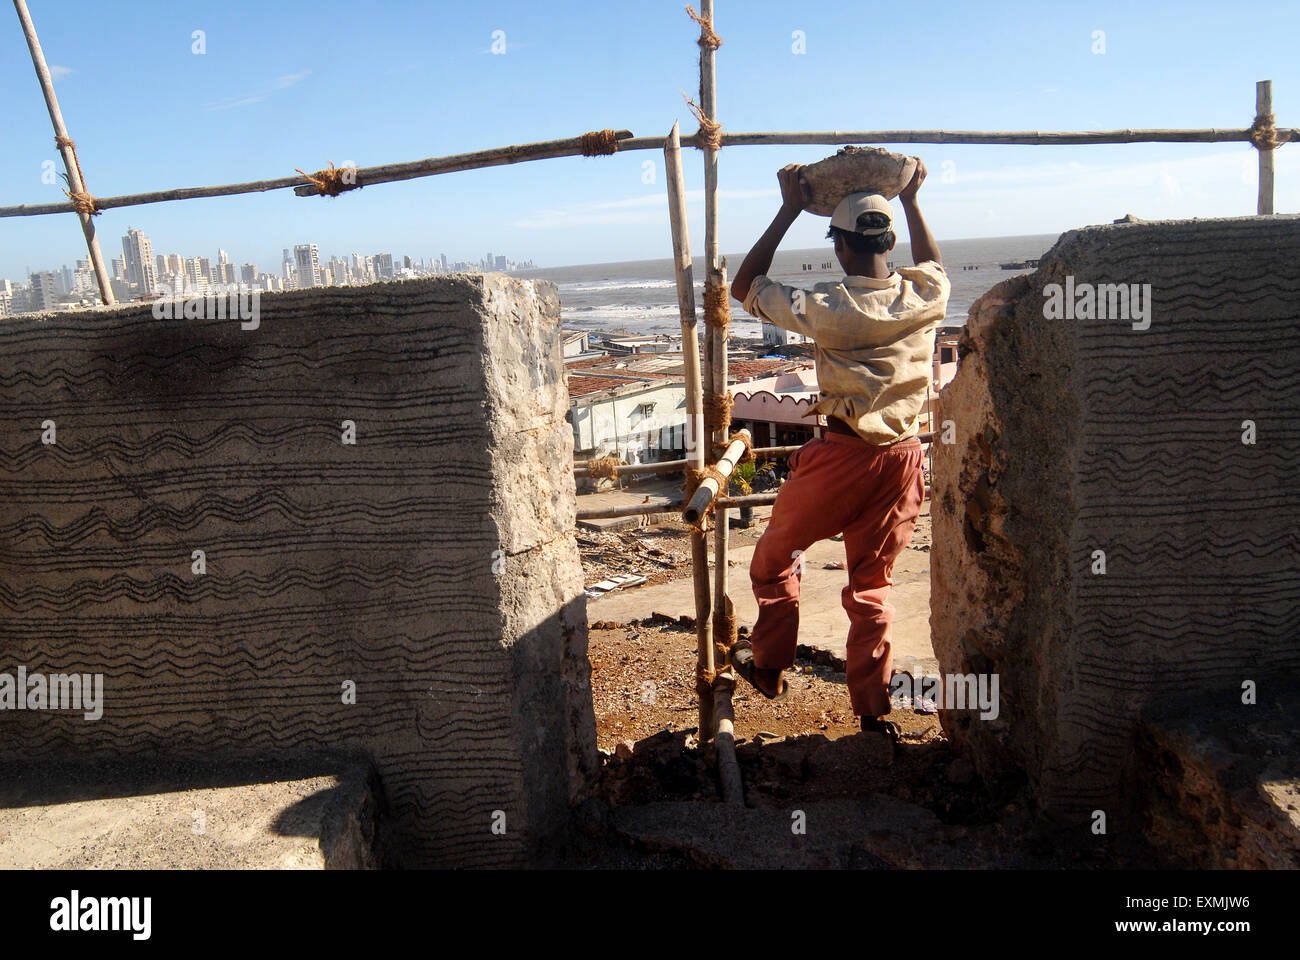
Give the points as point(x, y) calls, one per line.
point(795, 192)
point(913, 185)
point(922, 241)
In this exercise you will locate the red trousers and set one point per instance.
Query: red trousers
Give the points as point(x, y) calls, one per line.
point(840, 484)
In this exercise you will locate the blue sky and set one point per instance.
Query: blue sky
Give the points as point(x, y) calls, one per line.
point(283, 86)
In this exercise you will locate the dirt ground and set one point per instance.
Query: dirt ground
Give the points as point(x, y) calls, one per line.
point(804, 749)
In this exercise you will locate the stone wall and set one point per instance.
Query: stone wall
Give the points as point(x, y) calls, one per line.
point(431, 564)
point(1079, 435)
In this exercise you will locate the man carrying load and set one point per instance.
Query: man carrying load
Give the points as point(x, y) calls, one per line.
point(873, 335)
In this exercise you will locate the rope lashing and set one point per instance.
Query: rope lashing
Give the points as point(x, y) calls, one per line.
point(709, 136)
point(603, 468)
point(717, 307)
point(693, 480)
point(599, 143)
point(82, 201)
point(331, 182)
point(707, 37)
point(1263, 134)
point(717, 412)
point(743, 437)
point(726, 632)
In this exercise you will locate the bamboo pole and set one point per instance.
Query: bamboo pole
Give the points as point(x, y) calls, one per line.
point(695, 441)
point(717, 352)
point(724, 741)
point(650, 509)
point(830, 137)
point(708, 489)
point(675, 466)
point(988, 137)
point(64, 143)
point(1264, 107)
point(387, 173)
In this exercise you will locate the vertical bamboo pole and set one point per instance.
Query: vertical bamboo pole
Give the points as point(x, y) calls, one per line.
point(716, 274)
point(695, 439)
point(1263, 107)
point(69, 156)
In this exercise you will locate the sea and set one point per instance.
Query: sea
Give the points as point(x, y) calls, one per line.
point(640, 296)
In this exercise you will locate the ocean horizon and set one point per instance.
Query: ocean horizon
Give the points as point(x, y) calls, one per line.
point(640, 296)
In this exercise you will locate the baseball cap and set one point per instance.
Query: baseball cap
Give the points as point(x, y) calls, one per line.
point(851, 214)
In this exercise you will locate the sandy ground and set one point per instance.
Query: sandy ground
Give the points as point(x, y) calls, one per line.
point(808, 748)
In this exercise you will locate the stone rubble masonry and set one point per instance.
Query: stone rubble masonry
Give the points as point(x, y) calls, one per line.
point(326, 563)
point(1074, 436)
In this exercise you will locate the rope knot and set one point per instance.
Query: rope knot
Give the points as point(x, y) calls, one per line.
point(1263, 134)
point(603, 468)
point(707, 37)
point(332, 182)
point(599, 143)
point(709, 136)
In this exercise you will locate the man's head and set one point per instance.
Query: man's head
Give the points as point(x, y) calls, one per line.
point(862, 227)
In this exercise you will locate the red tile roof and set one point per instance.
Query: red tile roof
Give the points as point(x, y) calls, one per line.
point(582, 385)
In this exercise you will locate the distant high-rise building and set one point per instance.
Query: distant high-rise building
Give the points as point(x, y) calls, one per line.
point(501, 263)
point(306, 265)
point(44, 292)
point(175, 263)
point(407, 263)
point(196, 272)
point(119, 268)
point(248, 273)
point(383, 265)
point(222, 257)
point(160, 264)
point(339, 270)
point(444, 263)
point(65, 279)
point(137, 253)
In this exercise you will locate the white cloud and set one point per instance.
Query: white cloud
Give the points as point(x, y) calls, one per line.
point(58, 73)
point(281, 83)
point(289, 79)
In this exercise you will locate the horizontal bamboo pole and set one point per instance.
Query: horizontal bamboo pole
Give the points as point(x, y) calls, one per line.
point(708, 488)
point(675, 466)
point(431, 166)
point(572, 146)
point(992, 137)
point(630, 510)
point(671, 506)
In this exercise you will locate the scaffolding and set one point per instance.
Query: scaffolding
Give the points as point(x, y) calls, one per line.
point(712, 452)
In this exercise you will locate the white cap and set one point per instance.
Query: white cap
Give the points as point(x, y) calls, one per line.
point(852, 214)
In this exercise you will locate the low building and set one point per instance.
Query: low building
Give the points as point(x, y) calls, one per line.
point(639, 419)
point(774, 409)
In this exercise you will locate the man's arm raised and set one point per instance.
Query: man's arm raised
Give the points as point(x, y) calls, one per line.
point(794, 198)
point(923, 243)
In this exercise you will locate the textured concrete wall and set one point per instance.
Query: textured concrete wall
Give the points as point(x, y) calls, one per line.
point(1081, 435)
point(431, 563)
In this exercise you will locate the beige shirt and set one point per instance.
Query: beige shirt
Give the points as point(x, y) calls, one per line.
point(873, 342)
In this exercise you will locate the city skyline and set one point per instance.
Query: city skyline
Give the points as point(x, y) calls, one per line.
point(141, 273)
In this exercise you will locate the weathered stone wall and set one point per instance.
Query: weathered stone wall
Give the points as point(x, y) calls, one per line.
point(1082, 435)
point(431, 564)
